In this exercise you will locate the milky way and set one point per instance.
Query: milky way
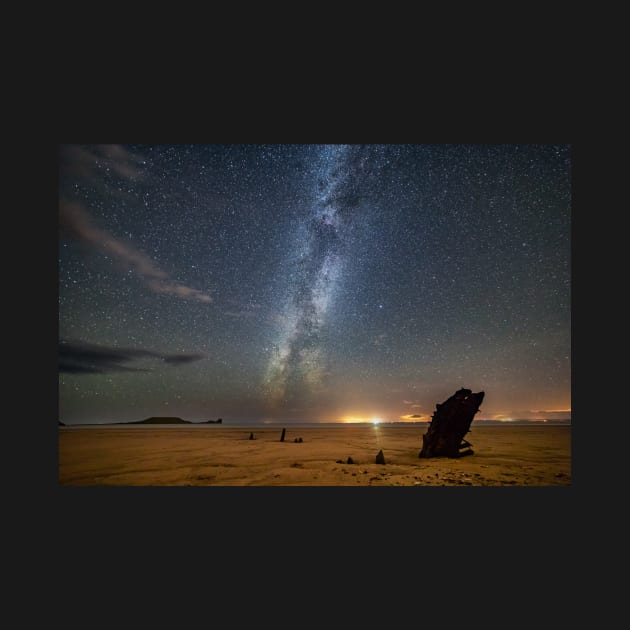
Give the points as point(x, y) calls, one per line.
point(321, 250)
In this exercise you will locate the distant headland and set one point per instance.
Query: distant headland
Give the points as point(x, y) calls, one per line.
point(169, 420)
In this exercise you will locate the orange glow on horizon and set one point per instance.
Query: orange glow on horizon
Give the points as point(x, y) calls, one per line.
point(355, 419)
point(540, 415)
point(379, 419)
point(507, 416)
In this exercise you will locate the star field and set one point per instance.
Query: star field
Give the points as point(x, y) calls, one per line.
point(313, 282)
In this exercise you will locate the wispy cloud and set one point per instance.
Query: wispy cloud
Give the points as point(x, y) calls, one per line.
point(413, 404)
point(88, 163)
point(85, 161)
point(246, 310)
point(78, 357)
point(77, 222)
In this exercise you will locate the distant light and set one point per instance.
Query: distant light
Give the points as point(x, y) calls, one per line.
point(361, 420)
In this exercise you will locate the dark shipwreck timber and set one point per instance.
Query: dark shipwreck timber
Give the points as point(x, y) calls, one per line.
point(449, 424)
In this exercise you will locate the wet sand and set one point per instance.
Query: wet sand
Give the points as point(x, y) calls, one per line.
point(225, 456)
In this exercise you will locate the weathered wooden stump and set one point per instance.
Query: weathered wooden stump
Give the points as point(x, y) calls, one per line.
point(449, 424)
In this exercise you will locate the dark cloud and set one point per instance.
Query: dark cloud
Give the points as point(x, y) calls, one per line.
point(69, 367)
point(77, 357)
point(178, 359)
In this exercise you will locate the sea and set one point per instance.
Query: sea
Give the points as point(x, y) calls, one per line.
point(249, 424)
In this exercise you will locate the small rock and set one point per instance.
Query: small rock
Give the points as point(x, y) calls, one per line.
point(350, 461)
point(299, 439)
point(251, 436)
point(380, 458)
point(339, 461)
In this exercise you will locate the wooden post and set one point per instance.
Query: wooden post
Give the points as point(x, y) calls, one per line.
point(282, 436)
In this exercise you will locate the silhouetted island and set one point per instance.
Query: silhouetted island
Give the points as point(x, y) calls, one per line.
point(160, 420)
point(169, 420)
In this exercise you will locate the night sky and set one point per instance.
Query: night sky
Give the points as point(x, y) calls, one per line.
point(313, 283)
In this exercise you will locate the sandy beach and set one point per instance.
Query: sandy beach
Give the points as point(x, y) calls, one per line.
point(225, 456)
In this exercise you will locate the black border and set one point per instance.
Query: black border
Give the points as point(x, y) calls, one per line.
point(407, 521)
